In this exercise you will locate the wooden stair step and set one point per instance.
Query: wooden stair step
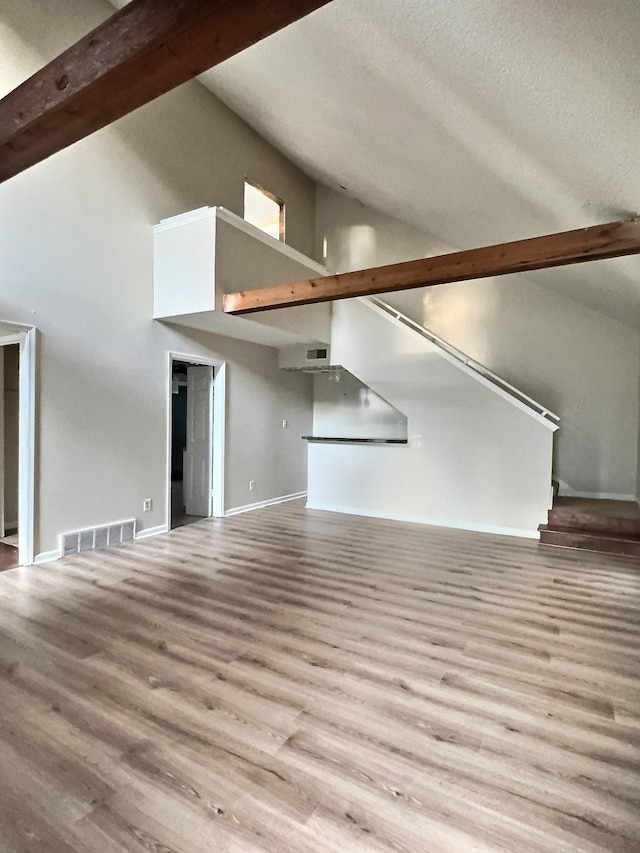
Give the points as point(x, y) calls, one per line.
point(570, 537)
point(566, 519)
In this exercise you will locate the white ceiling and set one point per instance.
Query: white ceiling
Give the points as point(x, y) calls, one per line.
point(479, 121)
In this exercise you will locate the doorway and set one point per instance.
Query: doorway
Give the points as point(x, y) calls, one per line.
point(9, 426)
point(17, 445)
point(196, 436)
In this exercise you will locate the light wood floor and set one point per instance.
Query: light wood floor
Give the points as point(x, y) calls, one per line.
point(292, 681)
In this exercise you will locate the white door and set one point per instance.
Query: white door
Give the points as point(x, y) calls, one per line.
point(198, 458)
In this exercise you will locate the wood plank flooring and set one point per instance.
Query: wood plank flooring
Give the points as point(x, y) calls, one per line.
point(302, 682)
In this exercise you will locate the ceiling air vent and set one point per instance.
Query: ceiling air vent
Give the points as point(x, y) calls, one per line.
point(316, 353)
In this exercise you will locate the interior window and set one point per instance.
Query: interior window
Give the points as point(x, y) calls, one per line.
point(263, 209)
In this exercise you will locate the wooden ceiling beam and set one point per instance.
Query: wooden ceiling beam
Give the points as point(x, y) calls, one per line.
point(598, 242)
point(141, 52)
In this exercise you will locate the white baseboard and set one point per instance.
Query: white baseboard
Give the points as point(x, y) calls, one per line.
point(152, 531)
point(260, 504)
point(434, 522)
point(47, 557)
point(567, 492)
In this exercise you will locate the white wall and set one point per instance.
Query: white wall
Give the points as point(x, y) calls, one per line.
point(349, 409)
point(76, 261)
point(474, 460)
point(580, 364)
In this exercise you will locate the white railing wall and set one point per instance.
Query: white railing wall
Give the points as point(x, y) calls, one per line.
point(478, 455)
point(463, 359)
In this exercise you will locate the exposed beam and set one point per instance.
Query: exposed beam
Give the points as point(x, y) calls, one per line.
point(554, 250)
point(144, 50)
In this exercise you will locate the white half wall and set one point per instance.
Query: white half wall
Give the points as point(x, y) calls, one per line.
point(474, 460)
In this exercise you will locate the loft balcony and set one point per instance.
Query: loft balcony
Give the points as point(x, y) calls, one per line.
point(203, 254)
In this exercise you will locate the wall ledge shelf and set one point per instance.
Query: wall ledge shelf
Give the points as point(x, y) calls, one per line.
point(340, 440)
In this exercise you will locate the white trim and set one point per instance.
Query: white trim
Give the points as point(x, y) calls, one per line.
point(260, 504)
point(242, 225)
point(434, 522)
point(218, 435)
point(27, 454)
point(25, 336)
point(219, 439)
point(9, 329)
point(601, 496)
point(151, 531)
point(46, 557)
point(184, 218)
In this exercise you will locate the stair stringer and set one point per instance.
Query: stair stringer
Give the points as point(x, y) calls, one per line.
point(474, 460)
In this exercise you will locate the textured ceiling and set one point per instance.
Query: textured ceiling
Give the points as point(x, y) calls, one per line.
point(478, 121)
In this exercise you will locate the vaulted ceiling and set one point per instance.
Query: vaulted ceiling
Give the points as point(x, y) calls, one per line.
point(478, 121)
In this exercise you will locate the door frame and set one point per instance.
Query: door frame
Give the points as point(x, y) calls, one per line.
point(26, 337)
point(218, 432)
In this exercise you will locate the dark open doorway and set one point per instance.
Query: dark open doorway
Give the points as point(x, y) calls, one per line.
point(9, 455)
point(191, 442)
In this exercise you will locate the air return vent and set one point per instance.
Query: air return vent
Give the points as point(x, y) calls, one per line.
point(314, 354)
point(93, 538)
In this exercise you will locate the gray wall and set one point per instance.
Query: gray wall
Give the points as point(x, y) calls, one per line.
point(579, 363)
point(76, 261)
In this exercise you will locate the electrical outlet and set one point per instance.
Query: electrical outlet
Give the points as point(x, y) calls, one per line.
point(252, 485)
point(285, 424)
point(147, 505)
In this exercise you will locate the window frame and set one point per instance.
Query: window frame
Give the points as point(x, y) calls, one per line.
point(272, 197)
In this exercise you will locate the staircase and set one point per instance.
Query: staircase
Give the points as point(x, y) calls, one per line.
point(612, 527)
